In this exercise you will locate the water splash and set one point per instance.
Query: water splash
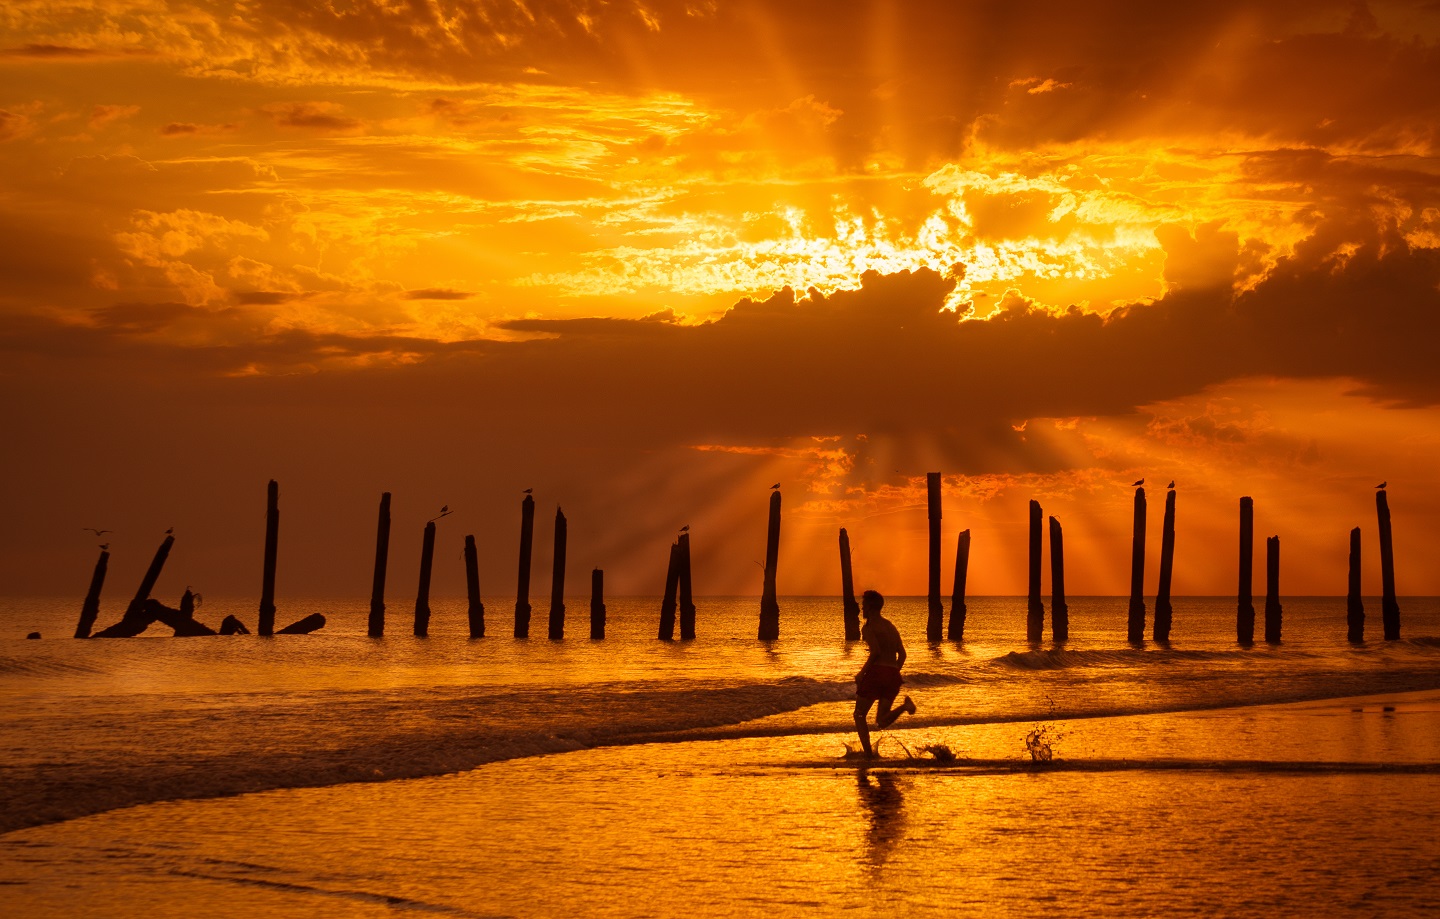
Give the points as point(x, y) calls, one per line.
point(1040, 743)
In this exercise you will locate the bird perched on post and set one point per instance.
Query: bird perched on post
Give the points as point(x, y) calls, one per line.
point(444, 512)
point(528, 490)
point(685, 528)
point(170, 532)
point(1141, 482)
point(775, 486)
point(1171, 485)
point(1381, 485)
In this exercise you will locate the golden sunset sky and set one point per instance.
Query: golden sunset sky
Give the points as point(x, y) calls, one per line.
point(647, 258)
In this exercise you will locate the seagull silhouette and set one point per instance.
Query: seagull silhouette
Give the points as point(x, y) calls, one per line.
point(1381, 485)
point(529, 490)
point(170, 532)
point(444, 512)
point(1141, 482)
point(776, 485)
point(685, 528)
point(105, 547)
point(1172, 484)
point(98, 533)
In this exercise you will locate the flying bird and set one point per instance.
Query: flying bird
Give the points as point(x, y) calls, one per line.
point(1172, 484)
point(1141, 482)
point(1381, 485)
point(98, 533)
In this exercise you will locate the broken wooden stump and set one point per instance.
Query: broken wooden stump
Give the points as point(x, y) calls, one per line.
point(1059, 609)
point(152, 574)
point(382, 557)
point(597, 603)
point(272, 543)
point(1245, 606)
point(847, 590)
point(233, 626)
point(1163, 611)
point(1272, 590)
point(1354, 606)
point(472, 589)
point(935, 618)
point(557, 579)
point(522, 588)
point(769, 603)
point(1136, 619)
point(668, 601)
point(687, 594)
point(422, 594)
point(1035, 609)
point(90, 610)
point(149, 612)
point(311, 623)
point(955, 629)
point(1389, 606)
point(182, 620)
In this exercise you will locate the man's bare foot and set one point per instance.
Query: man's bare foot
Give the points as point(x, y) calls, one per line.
point(909, 706)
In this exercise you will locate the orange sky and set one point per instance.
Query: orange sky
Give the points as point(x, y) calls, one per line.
point(649, 257)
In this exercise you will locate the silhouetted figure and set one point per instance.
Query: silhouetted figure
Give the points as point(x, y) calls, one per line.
point(1137, 484)
point(879, 680)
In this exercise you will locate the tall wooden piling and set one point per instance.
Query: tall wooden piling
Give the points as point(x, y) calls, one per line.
point(1163, 612)
point(382, 560)
point(1354, 606)
point(1272, 590)
point(687, 596)
point(472, 589)
point(955, 629)
point(667, 602)
point(272, 547)
point(597, 603)
point(935, 621)
point(1389, 606)
point(769, 604)
point(90, 610)
point(522, 588)
point(152, 574)
point(1035, 609)
point(557, 579)
point(847, 590)
point(1059, 609)
point(422, 595)
point(1136, 630)
point(1245, 606)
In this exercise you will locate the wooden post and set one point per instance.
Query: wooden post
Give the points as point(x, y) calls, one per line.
point(1059, 609)
point(1137, 571)
point(1245, 608)
point(422, 596)
point(935, 620)
point(1354, 606)
point(472, 588)
point(382, 557)
point(272, 547)
point(687, 596)
point(90, 611)
point(557, 579)
point(956, 629)
point(187, 604)
point(667, 603)
point(1163, 612)
point(1272, 590)
point(597, 604)
point(1035, 612)
point(522, 589)
point(152, 574)
point(1389, 606)
point(847, 590)
point(769, 604)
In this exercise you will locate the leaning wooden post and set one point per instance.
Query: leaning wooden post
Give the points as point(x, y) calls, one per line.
point(422, 596)
point(847, 590)
point(1354, 607)
point(1163, 612)
point(687, 596)
point(935, 621)
point(1059, 609)
point(667, 603)
point(1035, 612)
point(1389, 606)
point(522, 589)
point(557, 579)
point(1272, 590)
point(955, 631)
point(769, 604)
point(472, 588)
point(1245, 607)
point(1137, 571)
point(147, 584)
point(382, 558)
point(272, 546)
point(90, 611)
point(597, 604)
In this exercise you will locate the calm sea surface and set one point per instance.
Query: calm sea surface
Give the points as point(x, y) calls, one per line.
point(408, 773)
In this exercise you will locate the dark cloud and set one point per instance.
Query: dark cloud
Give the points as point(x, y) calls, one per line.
point(322, 116)
point(436, 293)
point(51, 51)
point(264, 297)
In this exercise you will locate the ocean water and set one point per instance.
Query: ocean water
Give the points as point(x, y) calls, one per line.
point(332, 774)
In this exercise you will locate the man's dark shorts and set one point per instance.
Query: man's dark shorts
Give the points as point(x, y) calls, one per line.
point(877, 681)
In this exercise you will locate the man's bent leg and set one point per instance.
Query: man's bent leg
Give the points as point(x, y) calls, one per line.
point(886, 716)
point(862, 712)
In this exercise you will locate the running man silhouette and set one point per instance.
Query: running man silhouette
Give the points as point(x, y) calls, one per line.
point(880, 678)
